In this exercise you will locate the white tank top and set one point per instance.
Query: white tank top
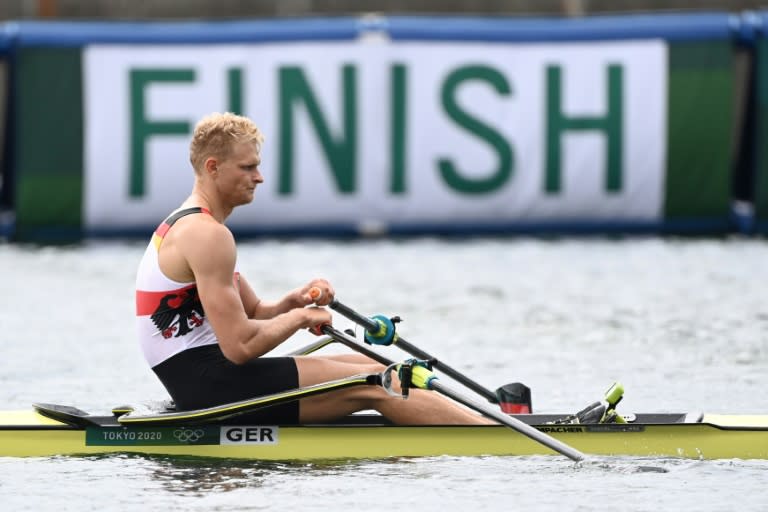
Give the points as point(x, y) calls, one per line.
point(169, 314)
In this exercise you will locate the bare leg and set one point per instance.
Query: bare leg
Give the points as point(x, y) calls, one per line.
point(422, 407)
point(352, 357)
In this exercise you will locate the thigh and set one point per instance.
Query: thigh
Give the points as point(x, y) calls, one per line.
point(354, 357)
point(318, 369)
point(258, 377)
point(335, 404)
point(203, 377)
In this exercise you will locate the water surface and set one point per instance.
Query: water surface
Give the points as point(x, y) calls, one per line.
point(682, 323)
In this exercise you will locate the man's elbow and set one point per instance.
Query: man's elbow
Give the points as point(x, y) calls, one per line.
point(236, 355)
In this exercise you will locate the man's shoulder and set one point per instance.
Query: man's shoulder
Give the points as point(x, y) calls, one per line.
point(205, 224)
point(201, 230)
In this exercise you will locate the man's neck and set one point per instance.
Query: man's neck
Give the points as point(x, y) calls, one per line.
point(200, 198)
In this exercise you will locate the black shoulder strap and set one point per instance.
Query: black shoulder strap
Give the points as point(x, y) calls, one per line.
point(171, 220)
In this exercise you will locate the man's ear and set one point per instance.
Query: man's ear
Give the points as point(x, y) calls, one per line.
point(211, 166)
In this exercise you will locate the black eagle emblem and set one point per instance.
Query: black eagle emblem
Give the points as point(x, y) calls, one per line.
point(178, 313)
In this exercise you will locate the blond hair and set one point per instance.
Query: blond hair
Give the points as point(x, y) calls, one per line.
point(216, 135)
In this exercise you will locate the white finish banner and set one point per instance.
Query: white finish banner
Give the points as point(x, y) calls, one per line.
point(383, 132)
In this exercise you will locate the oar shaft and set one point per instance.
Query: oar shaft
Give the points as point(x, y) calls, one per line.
point(352, 343)
point(371, 325)
point(368, 323)
point(512, 423)
point(436, 385)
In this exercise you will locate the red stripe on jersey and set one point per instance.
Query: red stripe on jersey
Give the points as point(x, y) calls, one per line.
point(162, 229)
point(148, 302)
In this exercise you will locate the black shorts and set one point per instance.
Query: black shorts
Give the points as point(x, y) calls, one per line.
point(202, 377)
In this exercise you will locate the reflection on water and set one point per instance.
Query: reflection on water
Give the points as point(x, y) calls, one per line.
point(199, 476)
point(190, 476)
point(140, 483)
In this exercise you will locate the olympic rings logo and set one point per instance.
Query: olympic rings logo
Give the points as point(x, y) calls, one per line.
point(188, 436)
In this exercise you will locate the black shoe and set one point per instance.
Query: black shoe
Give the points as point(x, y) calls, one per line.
point(593, 413)
point(603, 411)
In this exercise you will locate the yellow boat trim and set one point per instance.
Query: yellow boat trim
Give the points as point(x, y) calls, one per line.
point(695, 441)
point(737, 420)
point(28, 417)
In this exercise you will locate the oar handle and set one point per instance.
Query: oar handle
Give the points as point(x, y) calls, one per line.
point(371, 325)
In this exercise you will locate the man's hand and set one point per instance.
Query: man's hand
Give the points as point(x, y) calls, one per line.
point(318, 292)
point(317, 318)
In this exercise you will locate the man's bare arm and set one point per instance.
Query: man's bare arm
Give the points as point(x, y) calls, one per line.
point(211, 253)
point(298, 298)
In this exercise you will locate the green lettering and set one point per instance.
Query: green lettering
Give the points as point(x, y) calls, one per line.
point(611, 125)
point(340, 152)
point(235, 83)
point(142, 128)
point(398, 128)
point(503, 171)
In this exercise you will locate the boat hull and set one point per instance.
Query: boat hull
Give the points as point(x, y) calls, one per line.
point(28, 433)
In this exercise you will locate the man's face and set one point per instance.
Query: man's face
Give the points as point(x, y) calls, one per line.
point(239, 174)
